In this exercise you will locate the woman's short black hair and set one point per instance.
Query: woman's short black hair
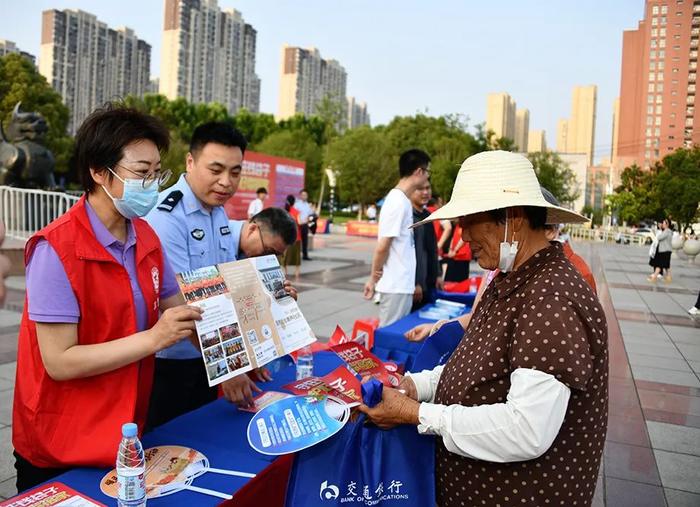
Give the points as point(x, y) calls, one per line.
point(100, 140)
point(536, 216)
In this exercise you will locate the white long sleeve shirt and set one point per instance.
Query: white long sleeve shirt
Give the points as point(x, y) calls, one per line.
point(520, 429)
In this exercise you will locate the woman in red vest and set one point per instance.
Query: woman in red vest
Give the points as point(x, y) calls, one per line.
point(97, 279)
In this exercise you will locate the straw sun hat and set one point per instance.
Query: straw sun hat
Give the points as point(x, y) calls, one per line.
point(498, 179)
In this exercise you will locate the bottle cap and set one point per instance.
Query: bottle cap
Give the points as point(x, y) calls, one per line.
point(129, 430)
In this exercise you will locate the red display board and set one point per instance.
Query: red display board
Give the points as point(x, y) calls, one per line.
point(281, 177)
point(362, 228)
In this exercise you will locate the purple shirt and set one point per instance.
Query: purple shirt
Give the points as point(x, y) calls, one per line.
point(50, 296)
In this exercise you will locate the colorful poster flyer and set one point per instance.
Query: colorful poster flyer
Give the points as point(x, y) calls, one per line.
point(340, 383)
point(296, 423)
point(55, 494)
point(249, 319)
point(165, 465)
point(263, 400)
point(364, 363)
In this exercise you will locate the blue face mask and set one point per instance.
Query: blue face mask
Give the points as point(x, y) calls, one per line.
point(137, 200)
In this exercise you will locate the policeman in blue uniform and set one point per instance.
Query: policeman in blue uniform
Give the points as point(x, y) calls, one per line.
point(194, 230)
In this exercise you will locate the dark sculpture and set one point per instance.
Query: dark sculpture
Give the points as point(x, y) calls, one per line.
point(24, 161)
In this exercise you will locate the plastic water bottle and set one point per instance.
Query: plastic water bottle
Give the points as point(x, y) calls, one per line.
point(305, 363)
point(131, 468)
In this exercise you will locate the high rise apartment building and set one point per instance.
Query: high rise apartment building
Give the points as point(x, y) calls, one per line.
point(577, 133)
point(536, 141)
point(657, 112)
point(306, 79)
point(208, 55)
point(88, 63)
point(7, 47)
point(357, 113)
point(522, 129)
point(500, 115)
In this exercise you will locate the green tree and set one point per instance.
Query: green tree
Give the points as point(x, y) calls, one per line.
point(366, 165)
point(255, 126)
point(677, 185)
point(21, 82)
point(444, 138)
point(636, 198)
point(555, 175)
point(300, 145)
point(331, 111)
point(314, 125)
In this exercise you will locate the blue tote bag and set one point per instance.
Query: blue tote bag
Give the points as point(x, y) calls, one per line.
point(438, 348)
point(364, 465)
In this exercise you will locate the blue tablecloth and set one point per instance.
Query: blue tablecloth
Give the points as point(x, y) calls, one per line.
point(390, 344)
point(466, 298)
point(218, 430)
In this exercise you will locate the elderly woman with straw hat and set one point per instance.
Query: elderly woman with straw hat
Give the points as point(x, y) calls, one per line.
point(520, 408)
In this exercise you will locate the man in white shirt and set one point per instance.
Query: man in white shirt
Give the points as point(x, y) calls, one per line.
point(394, 262)
point(256, 205)
point(304, 208)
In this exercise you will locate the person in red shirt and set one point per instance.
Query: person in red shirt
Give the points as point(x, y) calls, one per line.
point(458, 257)
point(553, 235)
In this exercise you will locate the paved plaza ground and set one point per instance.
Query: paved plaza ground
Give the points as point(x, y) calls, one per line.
point(652, 455)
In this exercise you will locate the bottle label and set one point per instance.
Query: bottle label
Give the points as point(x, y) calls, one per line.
point(132, 487)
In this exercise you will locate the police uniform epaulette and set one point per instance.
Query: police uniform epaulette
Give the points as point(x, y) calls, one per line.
point(171, 201)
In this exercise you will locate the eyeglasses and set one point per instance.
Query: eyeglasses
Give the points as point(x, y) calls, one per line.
point(266, 250)
point(162, 176)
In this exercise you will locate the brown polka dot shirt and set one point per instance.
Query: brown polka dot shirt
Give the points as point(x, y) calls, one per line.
point(542, 316)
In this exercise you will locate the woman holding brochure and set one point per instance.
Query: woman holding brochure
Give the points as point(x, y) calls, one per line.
point(97, 279)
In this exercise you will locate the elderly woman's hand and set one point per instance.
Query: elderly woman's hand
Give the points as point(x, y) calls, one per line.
point(394, 409)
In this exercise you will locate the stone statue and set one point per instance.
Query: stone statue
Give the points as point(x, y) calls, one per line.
point(24, 161)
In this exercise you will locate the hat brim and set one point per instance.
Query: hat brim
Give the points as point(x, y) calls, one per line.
point(453, 210)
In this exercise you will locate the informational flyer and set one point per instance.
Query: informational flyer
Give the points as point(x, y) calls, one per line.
point(248, 320)
point(295, 423)
point(364, 363)
point(263, 400)
point(165, 465)
point(55, 494)
point(340, 383)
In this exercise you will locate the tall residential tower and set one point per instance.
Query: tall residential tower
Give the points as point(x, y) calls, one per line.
point(306, 79)
point(658, 86)
point(208, 55)
point(88, 63)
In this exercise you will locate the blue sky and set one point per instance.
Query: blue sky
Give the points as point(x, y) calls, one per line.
point(402, 57)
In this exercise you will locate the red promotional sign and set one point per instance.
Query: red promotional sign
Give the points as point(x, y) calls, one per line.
point(364, 363)
point(53, 493)
point(340, 383)
point(359, 228)
point(281, 177)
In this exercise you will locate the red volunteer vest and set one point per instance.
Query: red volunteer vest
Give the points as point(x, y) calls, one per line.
point(58, 424)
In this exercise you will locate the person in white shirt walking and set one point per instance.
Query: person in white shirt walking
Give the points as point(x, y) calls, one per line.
point(257, 205)
point(394, 262)
point(305, 210)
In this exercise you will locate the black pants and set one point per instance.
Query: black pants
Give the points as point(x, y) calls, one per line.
point(305, 241)
point(697, 303)
point(179, 386)
point(457, 271)
point(29, 476)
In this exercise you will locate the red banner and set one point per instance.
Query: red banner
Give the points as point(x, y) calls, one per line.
point(281, 177)
point(358, 228)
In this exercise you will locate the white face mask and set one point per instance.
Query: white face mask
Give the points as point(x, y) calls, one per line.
point(508, 251)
